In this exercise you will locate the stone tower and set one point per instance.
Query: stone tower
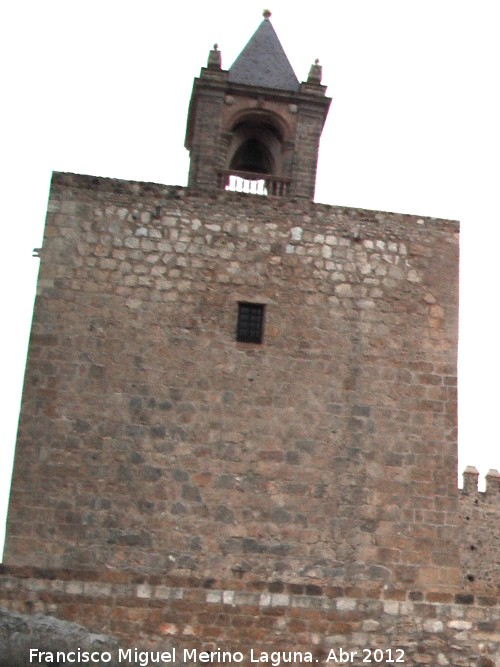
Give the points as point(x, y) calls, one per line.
point(238, 423)
point(255, 126)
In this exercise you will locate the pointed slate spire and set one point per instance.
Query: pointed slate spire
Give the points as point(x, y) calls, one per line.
point(263, 62)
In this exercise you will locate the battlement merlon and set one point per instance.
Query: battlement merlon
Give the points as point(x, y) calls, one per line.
point(471, 479)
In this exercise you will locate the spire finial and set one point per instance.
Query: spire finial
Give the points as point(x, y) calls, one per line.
point(214, 58)
point(315, 73)
point(266, 14)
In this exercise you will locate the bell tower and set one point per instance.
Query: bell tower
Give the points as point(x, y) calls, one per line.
point(255, 127)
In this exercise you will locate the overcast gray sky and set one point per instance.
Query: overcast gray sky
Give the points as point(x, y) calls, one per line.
point(102, 87)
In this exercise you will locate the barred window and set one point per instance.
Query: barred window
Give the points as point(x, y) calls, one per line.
point(250, 327)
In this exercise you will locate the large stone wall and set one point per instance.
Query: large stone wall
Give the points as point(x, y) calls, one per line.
point(151, 441)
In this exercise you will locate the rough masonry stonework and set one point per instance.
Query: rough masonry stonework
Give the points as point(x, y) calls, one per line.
point(156, 442)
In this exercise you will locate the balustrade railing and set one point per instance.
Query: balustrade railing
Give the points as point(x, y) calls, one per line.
point(255, 184)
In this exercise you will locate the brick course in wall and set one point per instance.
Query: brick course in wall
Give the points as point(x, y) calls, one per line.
point(155, 613)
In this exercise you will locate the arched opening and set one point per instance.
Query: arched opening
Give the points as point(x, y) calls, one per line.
point(256, 146)
point(255, 155)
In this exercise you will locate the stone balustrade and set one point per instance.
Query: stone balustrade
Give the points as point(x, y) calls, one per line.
point(252, 183)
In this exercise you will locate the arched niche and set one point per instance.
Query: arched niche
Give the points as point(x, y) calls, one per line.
point(256, 144)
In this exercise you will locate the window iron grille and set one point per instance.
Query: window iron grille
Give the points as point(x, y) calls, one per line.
point(250, 327)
